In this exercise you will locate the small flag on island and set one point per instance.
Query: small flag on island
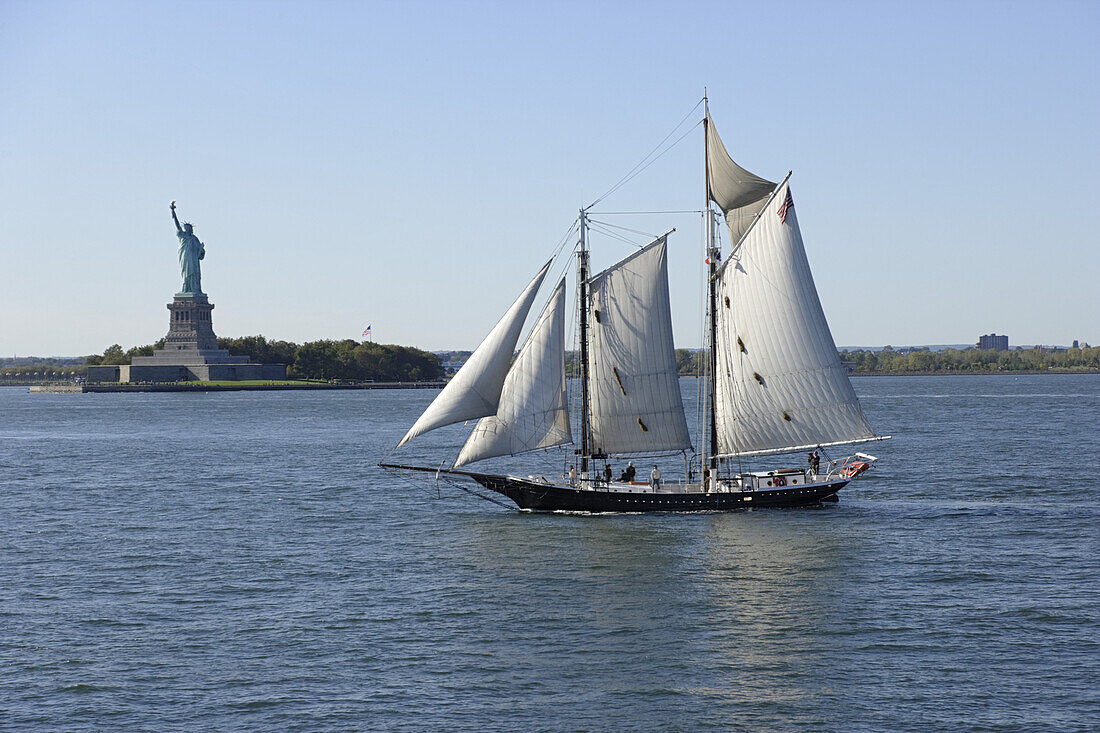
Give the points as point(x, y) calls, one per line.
point(366, 332)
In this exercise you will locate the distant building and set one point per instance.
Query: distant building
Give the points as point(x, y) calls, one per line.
point(993, 341)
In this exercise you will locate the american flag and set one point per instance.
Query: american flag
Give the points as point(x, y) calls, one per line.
point(366, 331)
point(787, 203)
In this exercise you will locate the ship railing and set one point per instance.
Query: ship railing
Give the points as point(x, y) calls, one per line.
point(850, 466)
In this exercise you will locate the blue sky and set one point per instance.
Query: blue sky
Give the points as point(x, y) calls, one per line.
point(410, 165)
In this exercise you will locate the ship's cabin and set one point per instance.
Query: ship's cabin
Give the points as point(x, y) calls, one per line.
point(779, 479)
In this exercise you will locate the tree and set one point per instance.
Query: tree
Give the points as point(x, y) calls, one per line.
point(113, 354)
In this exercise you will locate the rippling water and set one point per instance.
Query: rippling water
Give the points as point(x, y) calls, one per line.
point(237, 561)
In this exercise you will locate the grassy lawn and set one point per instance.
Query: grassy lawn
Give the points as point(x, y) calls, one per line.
point(250, 382)
point(233, 383)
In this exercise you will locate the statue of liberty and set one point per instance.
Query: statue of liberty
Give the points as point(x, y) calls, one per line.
point(191, 251)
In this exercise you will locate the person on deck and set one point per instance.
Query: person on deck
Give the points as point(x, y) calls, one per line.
point(629, 473)
point(572, 475)
point(655, 479)
point(607, 472)
point(815, 461)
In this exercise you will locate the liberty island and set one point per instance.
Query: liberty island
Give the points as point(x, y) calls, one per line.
point(190, 349)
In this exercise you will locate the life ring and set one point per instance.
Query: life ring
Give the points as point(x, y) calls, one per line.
point(855, 469)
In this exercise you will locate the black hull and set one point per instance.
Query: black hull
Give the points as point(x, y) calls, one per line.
point(545, 497)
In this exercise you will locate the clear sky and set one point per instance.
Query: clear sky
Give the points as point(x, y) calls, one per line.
point(410, 165)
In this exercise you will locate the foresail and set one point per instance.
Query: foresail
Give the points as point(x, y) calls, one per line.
point(738, 192)
point(475, 390)
point(533, 412)
point(779, 383)
point(634, 386)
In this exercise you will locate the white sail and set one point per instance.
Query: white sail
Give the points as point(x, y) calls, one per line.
point(533, 412)
point(634, 387)
point(475, 390)
point(738, 192)
point(779, 383)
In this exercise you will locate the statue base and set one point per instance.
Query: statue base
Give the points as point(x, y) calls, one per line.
point(190, 352)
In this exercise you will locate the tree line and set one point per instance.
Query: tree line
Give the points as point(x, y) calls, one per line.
point(44, 370)
point(350, 360)
point(346, 360)
point(946, 361)
point(692, 362)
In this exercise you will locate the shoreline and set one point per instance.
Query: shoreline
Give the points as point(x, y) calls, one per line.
point(275, 387)
point(222, 387)
point(975, 373)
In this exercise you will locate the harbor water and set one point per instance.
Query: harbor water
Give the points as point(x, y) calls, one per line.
point(237, 561)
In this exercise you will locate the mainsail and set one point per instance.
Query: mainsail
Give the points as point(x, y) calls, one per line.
point(475, 390)
point(739, 193)
point(533, 412)
point(633, 381)
point(779, 381)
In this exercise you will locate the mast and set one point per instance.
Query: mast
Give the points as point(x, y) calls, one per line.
point(711, 443)
point(582, 289)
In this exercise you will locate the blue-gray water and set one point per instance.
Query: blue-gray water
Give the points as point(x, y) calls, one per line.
point(236, 561)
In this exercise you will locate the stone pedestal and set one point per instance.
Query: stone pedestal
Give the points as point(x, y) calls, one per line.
point(190, 326)
point(190, 338)
point(190, 352)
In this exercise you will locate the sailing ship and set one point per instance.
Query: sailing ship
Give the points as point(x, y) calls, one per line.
point(773, 381)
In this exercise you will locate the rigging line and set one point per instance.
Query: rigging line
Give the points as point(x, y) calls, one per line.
point(616, 235)
point(627, 229)
point(632, 213)
point(561, 245)
point(407, 482)
point(608, 228)
point(479, 495)
point(565, 239)
point(643, 164)
point(651, 162)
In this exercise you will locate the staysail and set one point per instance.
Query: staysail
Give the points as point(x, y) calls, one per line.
point(633, 381)
point(779, 381)
point(533, 412)
point(739, 193)
point(475, 390)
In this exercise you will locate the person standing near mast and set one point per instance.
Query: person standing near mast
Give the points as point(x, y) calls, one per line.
point(655, 479)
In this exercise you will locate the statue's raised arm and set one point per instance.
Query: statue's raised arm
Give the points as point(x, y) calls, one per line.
point(173, 207)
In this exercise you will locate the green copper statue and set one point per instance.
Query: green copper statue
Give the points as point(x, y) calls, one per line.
point(191, 251)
